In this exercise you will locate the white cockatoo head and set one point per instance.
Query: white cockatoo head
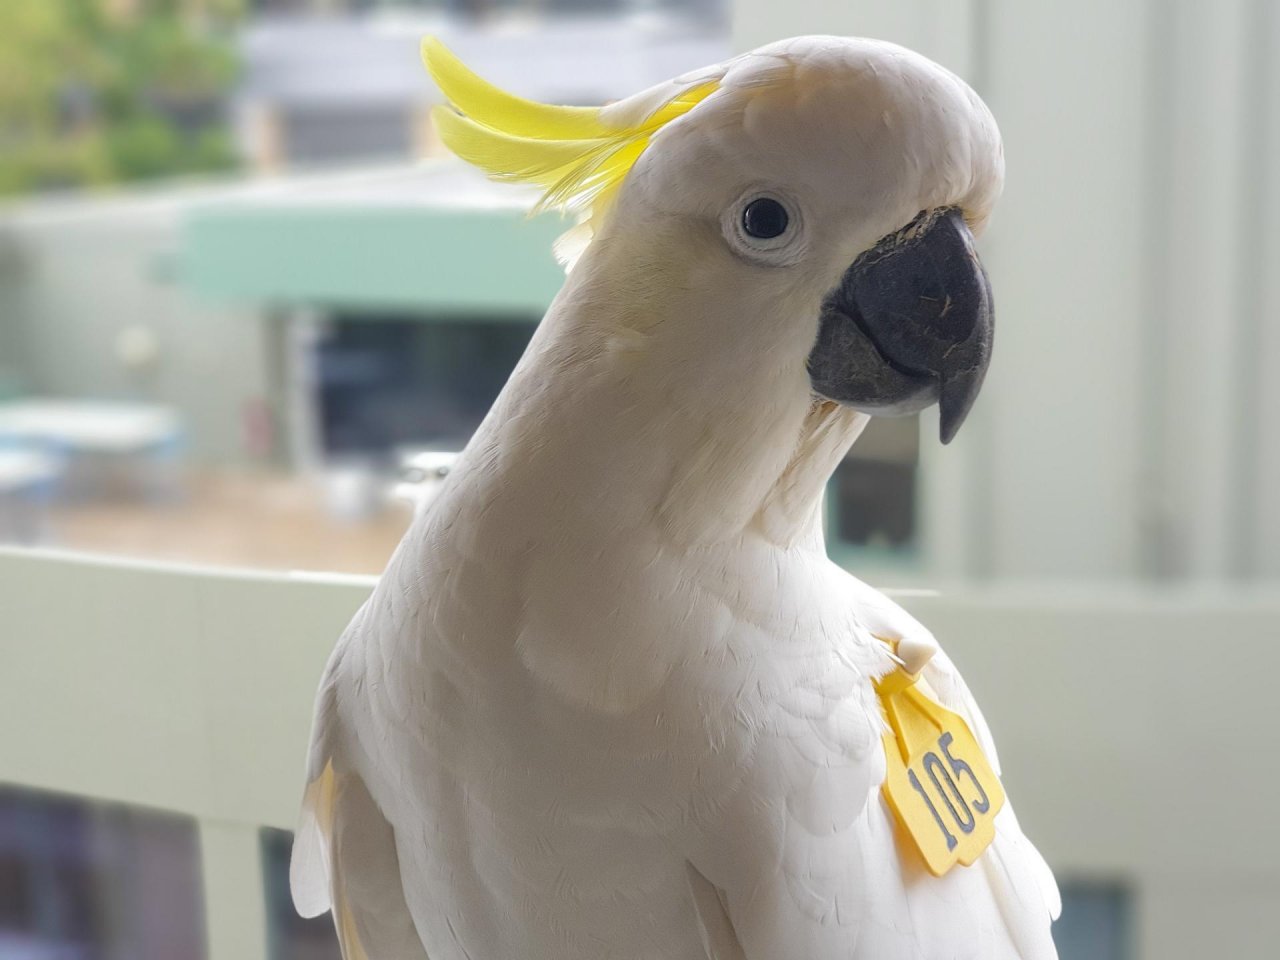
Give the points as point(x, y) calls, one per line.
point(802, 214)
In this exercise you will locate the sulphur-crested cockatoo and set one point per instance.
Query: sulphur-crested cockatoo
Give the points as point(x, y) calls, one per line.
point(610, 698)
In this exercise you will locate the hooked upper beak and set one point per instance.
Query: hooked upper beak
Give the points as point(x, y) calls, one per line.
point(909, 324)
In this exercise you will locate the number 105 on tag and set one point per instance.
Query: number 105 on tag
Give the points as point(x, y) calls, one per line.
point(944, 792)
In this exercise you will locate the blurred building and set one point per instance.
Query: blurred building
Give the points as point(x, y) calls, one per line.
point(313, 317)
point(322, 87)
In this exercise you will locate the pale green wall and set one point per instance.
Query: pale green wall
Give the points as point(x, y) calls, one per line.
point(1132, 725)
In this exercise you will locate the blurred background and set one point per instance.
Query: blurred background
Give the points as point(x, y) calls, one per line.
point(249, 312)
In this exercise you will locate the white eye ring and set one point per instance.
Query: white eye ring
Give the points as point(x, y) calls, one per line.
point(786, 248)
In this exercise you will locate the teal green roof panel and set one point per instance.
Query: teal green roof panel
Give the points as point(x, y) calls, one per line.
point(352, 256)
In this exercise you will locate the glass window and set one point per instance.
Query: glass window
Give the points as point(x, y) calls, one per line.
point(84, 880)
point(384, 383)
point(1095, 922)
point(871, 501)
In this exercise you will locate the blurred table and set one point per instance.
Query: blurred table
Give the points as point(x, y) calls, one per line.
point(90, 425)
point(95, 436)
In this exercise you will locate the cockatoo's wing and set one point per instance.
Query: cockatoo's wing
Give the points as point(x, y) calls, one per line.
point(718, 937)
point(824, 872)
point(344, 854)
point(1013, 865)
point(1012, 862)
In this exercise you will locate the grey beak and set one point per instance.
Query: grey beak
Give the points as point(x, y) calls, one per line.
point(909, 324)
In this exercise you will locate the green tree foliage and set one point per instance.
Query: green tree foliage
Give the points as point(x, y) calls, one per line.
point(100, 91)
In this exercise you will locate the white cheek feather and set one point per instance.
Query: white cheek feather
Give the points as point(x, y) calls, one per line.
point(610, 697)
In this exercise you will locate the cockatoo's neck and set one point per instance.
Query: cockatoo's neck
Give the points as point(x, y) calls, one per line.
point(639, 427)
point(792, 507)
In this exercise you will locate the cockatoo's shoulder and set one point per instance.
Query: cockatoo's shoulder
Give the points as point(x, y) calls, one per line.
point(826, 866)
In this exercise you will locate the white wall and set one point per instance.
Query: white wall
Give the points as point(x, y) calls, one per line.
point(1134, 727)
point(185, 690)
point(1127, 428)
point(76, 273)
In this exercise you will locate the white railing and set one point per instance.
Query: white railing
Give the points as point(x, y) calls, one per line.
point(1133, 726)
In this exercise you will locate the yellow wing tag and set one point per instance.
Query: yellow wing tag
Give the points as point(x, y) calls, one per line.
point(938, 783)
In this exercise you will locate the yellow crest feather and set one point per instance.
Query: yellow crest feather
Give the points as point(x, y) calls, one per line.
point(575, 154)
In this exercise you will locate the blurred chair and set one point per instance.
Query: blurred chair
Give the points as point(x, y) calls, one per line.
point(422, 474)
point(29, 479)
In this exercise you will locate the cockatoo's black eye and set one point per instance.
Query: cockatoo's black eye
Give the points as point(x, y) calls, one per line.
point(765, 218)
point(765, 226)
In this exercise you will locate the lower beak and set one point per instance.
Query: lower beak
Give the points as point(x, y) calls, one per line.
point(909, 324)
